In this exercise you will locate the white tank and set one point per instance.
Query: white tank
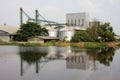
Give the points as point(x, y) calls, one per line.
point(52, 32)
point(67, 32)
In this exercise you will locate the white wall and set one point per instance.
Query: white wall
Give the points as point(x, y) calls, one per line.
point(5, 38)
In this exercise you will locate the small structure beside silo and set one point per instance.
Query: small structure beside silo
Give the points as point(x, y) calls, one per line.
point(42, 39)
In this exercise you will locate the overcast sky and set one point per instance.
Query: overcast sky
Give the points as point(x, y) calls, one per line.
point(55, 10)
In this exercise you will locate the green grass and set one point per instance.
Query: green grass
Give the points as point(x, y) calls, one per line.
point(48, 44)
point(3, 43)
point(73, 45)
point(53, 43)
point(95, 45)
point(89, 45)
point(29, 44)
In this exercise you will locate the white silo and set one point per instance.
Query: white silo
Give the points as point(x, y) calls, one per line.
point(52, 32)
point(67, 32)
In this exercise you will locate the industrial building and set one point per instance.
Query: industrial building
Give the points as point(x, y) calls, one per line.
point(80, 20)
point(94, 23)
point(74, 21)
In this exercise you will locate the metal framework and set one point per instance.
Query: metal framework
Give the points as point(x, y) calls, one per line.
point(37, 19)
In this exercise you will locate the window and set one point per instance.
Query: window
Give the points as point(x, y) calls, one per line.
point(71, 22)
point(79, 22)
point(68, 22)
point(82, 22)
point(75, 22)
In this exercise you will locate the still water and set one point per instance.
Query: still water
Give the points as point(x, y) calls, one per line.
point(59, 63)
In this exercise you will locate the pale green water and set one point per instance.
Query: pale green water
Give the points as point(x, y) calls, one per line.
point(58, 63)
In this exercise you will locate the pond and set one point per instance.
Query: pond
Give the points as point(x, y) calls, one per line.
point(59, 63)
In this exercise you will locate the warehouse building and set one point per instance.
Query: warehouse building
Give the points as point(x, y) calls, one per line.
point(4, 36)
point(7, 32)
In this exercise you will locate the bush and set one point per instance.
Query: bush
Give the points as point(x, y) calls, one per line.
point(81, 36)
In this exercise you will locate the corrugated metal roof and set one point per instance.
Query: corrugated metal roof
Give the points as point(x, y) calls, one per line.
point(51, 28)
point(67, 29)
point(45, 37)
point(9, 29)
point(78, 28)
point(70, 28)
point(3, 33)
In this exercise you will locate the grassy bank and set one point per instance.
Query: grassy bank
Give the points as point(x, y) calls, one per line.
point(35, 44)
point(78, 45)
point(94, 44)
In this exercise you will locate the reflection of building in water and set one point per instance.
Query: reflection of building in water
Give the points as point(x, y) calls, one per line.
point(75, 58)
point(80, 61)
point(39, 56)
point(58, 52)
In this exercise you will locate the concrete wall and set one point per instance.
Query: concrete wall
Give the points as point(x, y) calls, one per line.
point(35, 40)
point(78, 19)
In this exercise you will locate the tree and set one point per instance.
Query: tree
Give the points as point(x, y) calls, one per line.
point(30, 29)
point(81, 36)
point(105, 32)
point(92, 31)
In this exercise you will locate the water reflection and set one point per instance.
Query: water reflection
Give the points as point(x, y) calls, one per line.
point(89, 58)
point(31, 56)
point(80, 61)
point(104, 56)
point(39, 55)
point(84, 59)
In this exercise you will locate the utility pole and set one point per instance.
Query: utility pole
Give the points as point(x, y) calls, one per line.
point(21, 17)
point(36, 16)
